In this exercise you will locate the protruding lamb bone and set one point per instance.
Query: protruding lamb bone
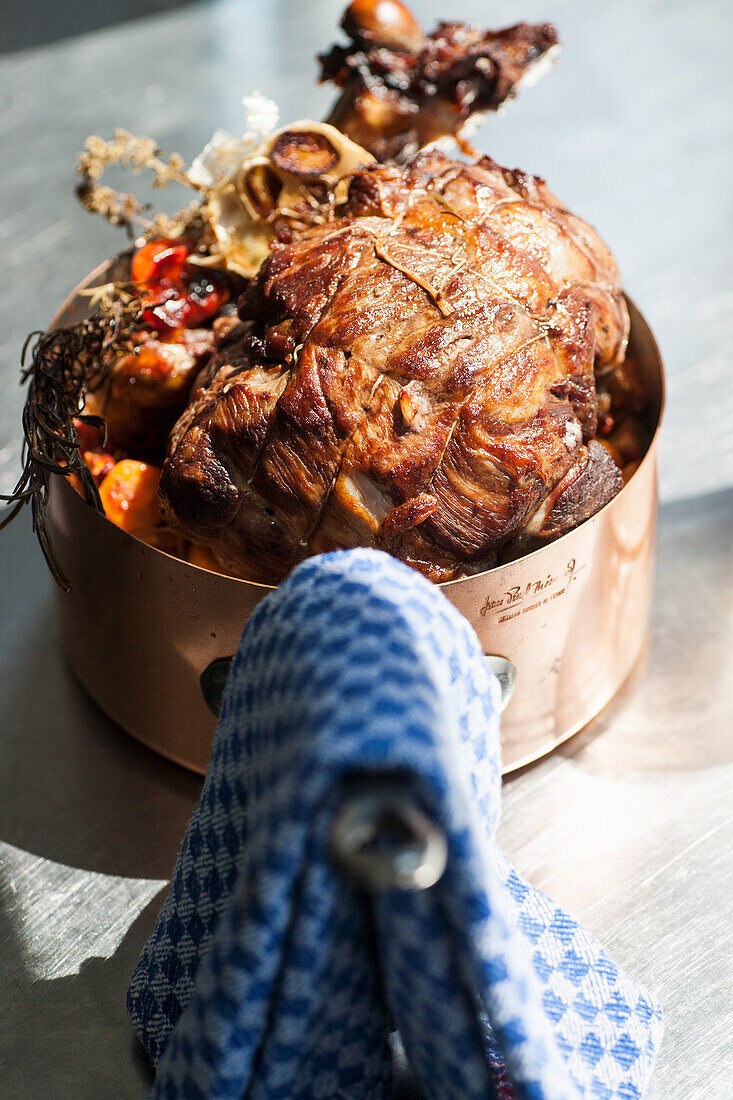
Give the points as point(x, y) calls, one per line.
point(304, 153)
point(383, 23)
point(402, 89)
point(284, 186)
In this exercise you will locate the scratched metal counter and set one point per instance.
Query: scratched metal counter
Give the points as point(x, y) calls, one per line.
point(629, 825)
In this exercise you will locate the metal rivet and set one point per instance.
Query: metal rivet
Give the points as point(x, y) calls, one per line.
point(382, 841)
point(506, 674)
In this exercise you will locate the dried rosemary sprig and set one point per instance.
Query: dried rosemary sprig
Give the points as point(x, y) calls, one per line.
point(65, 365)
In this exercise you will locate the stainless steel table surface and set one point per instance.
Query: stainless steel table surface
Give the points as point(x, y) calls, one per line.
point(629, 824)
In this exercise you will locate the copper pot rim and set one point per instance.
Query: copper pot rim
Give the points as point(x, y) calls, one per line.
point(495, 571)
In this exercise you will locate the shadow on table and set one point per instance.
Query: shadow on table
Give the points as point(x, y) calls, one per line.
point(70, 1036)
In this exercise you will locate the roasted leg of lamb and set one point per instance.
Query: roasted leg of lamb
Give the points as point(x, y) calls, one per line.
point(416, 372)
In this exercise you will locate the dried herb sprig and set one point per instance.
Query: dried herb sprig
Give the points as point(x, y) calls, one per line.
point(134, 154)
point(118, 207)
point(112, 298)
point(189, 220)
point(65, 365)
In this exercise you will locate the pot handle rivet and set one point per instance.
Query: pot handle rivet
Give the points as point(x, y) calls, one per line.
point(506, 674)
point(382, 841)
point(212, 681)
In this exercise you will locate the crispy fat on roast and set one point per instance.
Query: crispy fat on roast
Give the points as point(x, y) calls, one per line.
point(417, 374)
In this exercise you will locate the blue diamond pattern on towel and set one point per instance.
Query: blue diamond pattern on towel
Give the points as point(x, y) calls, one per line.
point(268, 975)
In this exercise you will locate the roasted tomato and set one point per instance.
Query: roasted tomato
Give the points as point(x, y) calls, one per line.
point(204, 294)
point(129, 495)
point(176, 292)
point(165, 258)
point(149, 388)
point(93, 451)
point(99, 462)
point(90, 436)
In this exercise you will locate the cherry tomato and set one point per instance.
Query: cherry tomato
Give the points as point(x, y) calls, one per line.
point(205, 294)
point(164, 258)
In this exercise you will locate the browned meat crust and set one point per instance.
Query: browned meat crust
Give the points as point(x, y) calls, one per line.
point(417, 374)
point(402, 89)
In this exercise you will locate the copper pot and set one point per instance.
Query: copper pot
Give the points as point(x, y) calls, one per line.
point(140, 626)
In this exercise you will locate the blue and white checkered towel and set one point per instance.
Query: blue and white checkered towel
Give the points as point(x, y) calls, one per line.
point(270, 976)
